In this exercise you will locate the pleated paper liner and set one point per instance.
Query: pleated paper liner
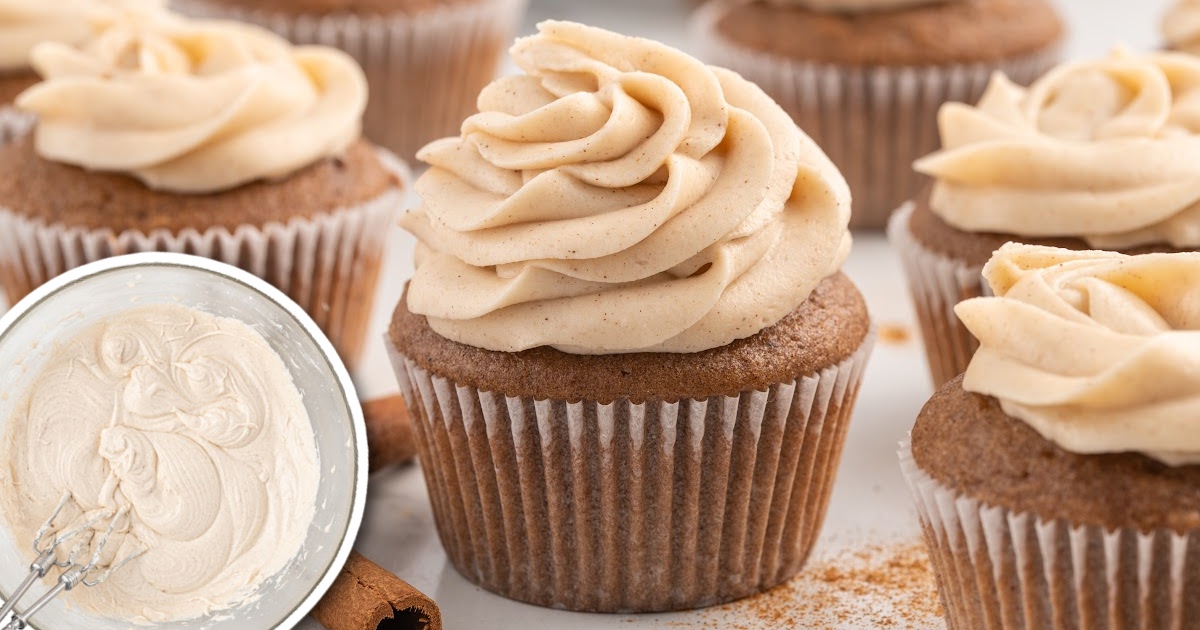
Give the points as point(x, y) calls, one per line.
point(14, 123)
point(1002, 569)
point(631, 507)
point(873, 121)
point(425, 70)
point(328, 264)
point(937, 284)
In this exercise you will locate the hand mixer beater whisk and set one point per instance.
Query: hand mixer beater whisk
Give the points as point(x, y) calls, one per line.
point(90, 536)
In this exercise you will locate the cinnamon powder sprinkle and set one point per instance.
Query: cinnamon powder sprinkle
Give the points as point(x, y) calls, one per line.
point(879, 586)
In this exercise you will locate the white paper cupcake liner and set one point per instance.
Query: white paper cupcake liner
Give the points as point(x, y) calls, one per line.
point(1002, 569)
point(425, 70)
point(873, 121)
point(631, 507)
point(14, 123)
point(937, 284)
point(328, 263)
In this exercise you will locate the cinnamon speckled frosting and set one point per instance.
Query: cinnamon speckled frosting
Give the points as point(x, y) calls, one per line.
point(1098, 352)
point(1107, 151)
point(620, 196)
point(26, 23)
point(194, 106)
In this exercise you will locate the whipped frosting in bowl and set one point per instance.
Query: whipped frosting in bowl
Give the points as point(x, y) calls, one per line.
point(1099, 352)
point(621, 196)
point(233, 441)
point(1107, 151)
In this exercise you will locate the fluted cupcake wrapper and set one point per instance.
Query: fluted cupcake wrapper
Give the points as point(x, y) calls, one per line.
point(328, 263)
point(937, 284)
point(14, 123)
point(627, 507)
point(425, 70)
point(872, 121)
point(1001, 569)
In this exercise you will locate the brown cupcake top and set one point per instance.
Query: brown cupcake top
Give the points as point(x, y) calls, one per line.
point(13, 83)
point(933, 34)
point(325, 7)
point(826, 329)
point(966, 442)
point(51, 192)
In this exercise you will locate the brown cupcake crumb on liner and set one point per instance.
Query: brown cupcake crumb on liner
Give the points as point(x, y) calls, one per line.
point(14, 123)
point(328, 264)
point(425, 69)
point(627, 507)
point(873, 121)
point(999, 568)
point(937, 284)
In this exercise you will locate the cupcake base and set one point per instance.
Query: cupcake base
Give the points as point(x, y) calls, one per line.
point(14, 123)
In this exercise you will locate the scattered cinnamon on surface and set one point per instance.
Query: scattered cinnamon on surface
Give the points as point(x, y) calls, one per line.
point(895, 334)
point(875, 587)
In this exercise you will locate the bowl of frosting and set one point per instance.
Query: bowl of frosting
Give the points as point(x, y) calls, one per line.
point(197, 421)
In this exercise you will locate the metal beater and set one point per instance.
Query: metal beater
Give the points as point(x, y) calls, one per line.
point(73, 574)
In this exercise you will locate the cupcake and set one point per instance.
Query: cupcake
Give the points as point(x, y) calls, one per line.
point(627, 348)
point(1181, 26)
point(211, 138)
point(1094, 155)
point(865, 77)
point(425, 60)
point(26, 23)
point(1057, 481)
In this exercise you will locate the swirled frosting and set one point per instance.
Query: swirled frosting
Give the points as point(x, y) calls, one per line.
point(1181, 26)
point(1099, 352)
point(26, 23)
point(855, 6)
point(1107, 151)
point(620, 196)
point(191, 423)
point(194, 106)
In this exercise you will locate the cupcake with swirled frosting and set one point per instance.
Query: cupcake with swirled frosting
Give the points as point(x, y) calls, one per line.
point(627, 347)
point(212, 138)
point(1058, 480)
point(865, 78)
point(1094, 155)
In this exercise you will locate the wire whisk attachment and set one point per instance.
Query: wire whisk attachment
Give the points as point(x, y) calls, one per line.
point(83, 538)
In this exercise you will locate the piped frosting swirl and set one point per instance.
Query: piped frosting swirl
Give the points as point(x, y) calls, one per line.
point(26, 23)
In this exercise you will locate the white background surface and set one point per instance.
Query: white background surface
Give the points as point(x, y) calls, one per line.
point(870, 503)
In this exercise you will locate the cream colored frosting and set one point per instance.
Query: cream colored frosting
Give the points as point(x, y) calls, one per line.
point(1099, 352)
point(194, 106)
point(26, 23)
point(1181, 26)
point(193, 423)
point(1107, 151)
point(620, 196)
point(855, 6)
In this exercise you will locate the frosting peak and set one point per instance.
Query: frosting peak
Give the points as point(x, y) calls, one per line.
point(26, 23)
point(194, 106)
point(855, 6)
point(1107, 151)
point(1097, 351)
point(620, 196)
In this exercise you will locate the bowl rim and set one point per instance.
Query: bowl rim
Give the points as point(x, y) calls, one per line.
point(78, 275)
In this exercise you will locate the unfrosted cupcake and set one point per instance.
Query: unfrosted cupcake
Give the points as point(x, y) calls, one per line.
point(1095, 155)
point(627, 348)
point(865, 78)
point(425, 60)
point(211, 138)
point(1057, 481)
point(26, 23)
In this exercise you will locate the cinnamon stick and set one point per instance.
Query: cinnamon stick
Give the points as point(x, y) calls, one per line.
point(390, 436)
point(368, 597)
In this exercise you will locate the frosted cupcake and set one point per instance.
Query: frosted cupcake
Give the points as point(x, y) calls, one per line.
point(1057, 481)
point(425, 60)
point(210, 138)
point(1094, 155)
point(627, 349)
point(865, 77)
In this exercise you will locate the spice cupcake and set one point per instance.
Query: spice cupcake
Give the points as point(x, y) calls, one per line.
point(425, 60)
point(1057, 480)
point(866, 77)
point(1094, 155)
point(627, 348)
point(1181, 26)
point(210, 138)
